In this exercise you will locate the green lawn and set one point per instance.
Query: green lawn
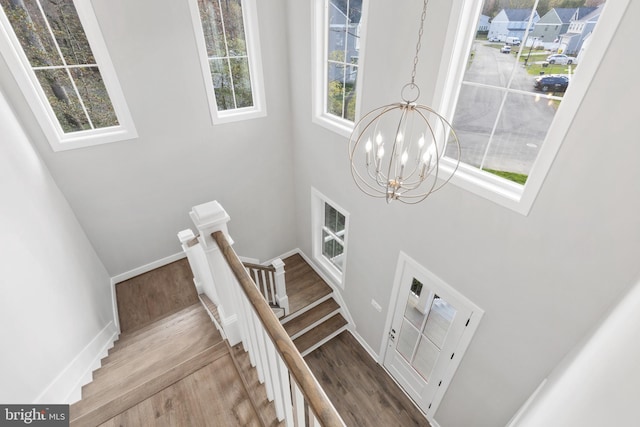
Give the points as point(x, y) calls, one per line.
point(511, 176)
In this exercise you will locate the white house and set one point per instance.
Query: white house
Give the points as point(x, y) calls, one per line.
point(548, 281)
point(579, 30)
point(511, 23)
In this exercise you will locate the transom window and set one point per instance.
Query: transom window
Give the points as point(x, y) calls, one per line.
point(338, 44)
point(57, 67)
point(229, 57)
point(511, 85)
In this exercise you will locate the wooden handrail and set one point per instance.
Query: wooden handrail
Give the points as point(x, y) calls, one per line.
point(259, 267)
point(311, 389)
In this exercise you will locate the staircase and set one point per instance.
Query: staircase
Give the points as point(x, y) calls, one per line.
point(152, 373)
point(315, 315)
point(173, 370)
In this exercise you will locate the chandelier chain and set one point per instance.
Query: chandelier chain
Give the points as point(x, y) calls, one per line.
point(419, 43)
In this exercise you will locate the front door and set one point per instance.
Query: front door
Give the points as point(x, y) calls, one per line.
point(429, 321)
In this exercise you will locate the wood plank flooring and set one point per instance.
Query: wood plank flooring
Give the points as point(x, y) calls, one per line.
point(158, 293)
point(212, 396)
point(304, 285)
point(362, 392)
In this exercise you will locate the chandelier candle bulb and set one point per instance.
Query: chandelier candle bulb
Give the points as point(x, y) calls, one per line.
point(410, 125)
point(379, 160)
point(367, 148)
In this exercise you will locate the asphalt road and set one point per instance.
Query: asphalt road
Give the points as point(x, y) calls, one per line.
point(520, 129)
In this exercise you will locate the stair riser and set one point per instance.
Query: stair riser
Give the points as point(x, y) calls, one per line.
point(315, 324)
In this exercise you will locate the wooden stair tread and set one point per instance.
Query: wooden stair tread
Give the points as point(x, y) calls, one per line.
point(109, 402)
point(168, 321)
point(256, 390)
point(310, 317)
point(320, 332)
point(137, 363)
point(156, 337)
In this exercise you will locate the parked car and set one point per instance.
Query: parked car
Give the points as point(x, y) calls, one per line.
point(513, 41)
point(562, 59)
point(505, 49)
point(551, 83)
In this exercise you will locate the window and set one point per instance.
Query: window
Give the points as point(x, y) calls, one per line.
point(338, 47)
point(510, 114)
point(226, 34)
point(61, 64)
point(329, 236)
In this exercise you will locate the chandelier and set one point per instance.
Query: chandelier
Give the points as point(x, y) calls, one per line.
point(396, 150)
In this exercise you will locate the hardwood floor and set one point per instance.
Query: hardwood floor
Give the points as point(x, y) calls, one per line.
point(214, 393)
point(362, 392)
point(304, 285)
point(158, 293)
point(211, 396)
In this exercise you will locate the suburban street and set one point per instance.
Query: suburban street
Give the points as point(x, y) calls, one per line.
point(524, 121)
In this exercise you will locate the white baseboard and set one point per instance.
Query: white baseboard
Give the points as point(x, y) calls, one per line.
point(147, 267)
point(336, 289)
point(136, 272)
point(67, 386)
point(283, 256)
point(366, 346)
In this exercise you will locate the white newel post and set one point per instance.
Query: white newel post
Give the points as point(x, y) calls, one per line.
point(281, 289)
point(210, 217)
point(198, 262)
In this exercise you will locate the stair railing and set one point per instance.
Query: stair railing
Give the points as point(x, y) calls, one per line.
point(299, 399)
point(270, 279)
point(271, 282)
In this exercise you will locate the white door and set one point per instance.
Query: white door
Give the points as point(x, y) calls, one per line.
point(424, 344)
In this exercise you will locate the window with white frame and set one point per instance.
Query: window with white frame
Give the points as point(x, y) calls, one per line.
point(338, 47)
point(226, 34)
point(57, 55)
point(513, 108)
point(330, 225)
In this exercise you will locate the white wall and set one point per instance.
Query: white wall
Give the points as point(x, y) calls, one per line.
point(56, 295)
point(132, 197)
point(543, 280)
point(597, 385)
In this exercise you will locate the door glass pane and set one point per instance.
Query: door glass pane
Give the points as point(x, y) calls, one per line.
point(439, 321)
point(426, 358)
point(407, 340)
point(414, 310)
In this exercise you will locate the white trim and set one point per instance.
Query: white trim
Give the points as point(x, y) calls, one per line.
point(318, 200)
point(325, 340)
point(147, 267)
point(366, 346)
point(336, 291)
point(319, 115)
point(283, 256)
point(316, 323)
point(460, 35)
point(36, 98)
point(67, 385)
point(114, 306)
point(405, 260)
point(254, 54)
point(305, 309)
point(516, 418)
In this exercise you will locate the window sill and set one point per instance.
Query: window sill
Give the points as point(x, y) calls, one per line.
point(335, 124)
